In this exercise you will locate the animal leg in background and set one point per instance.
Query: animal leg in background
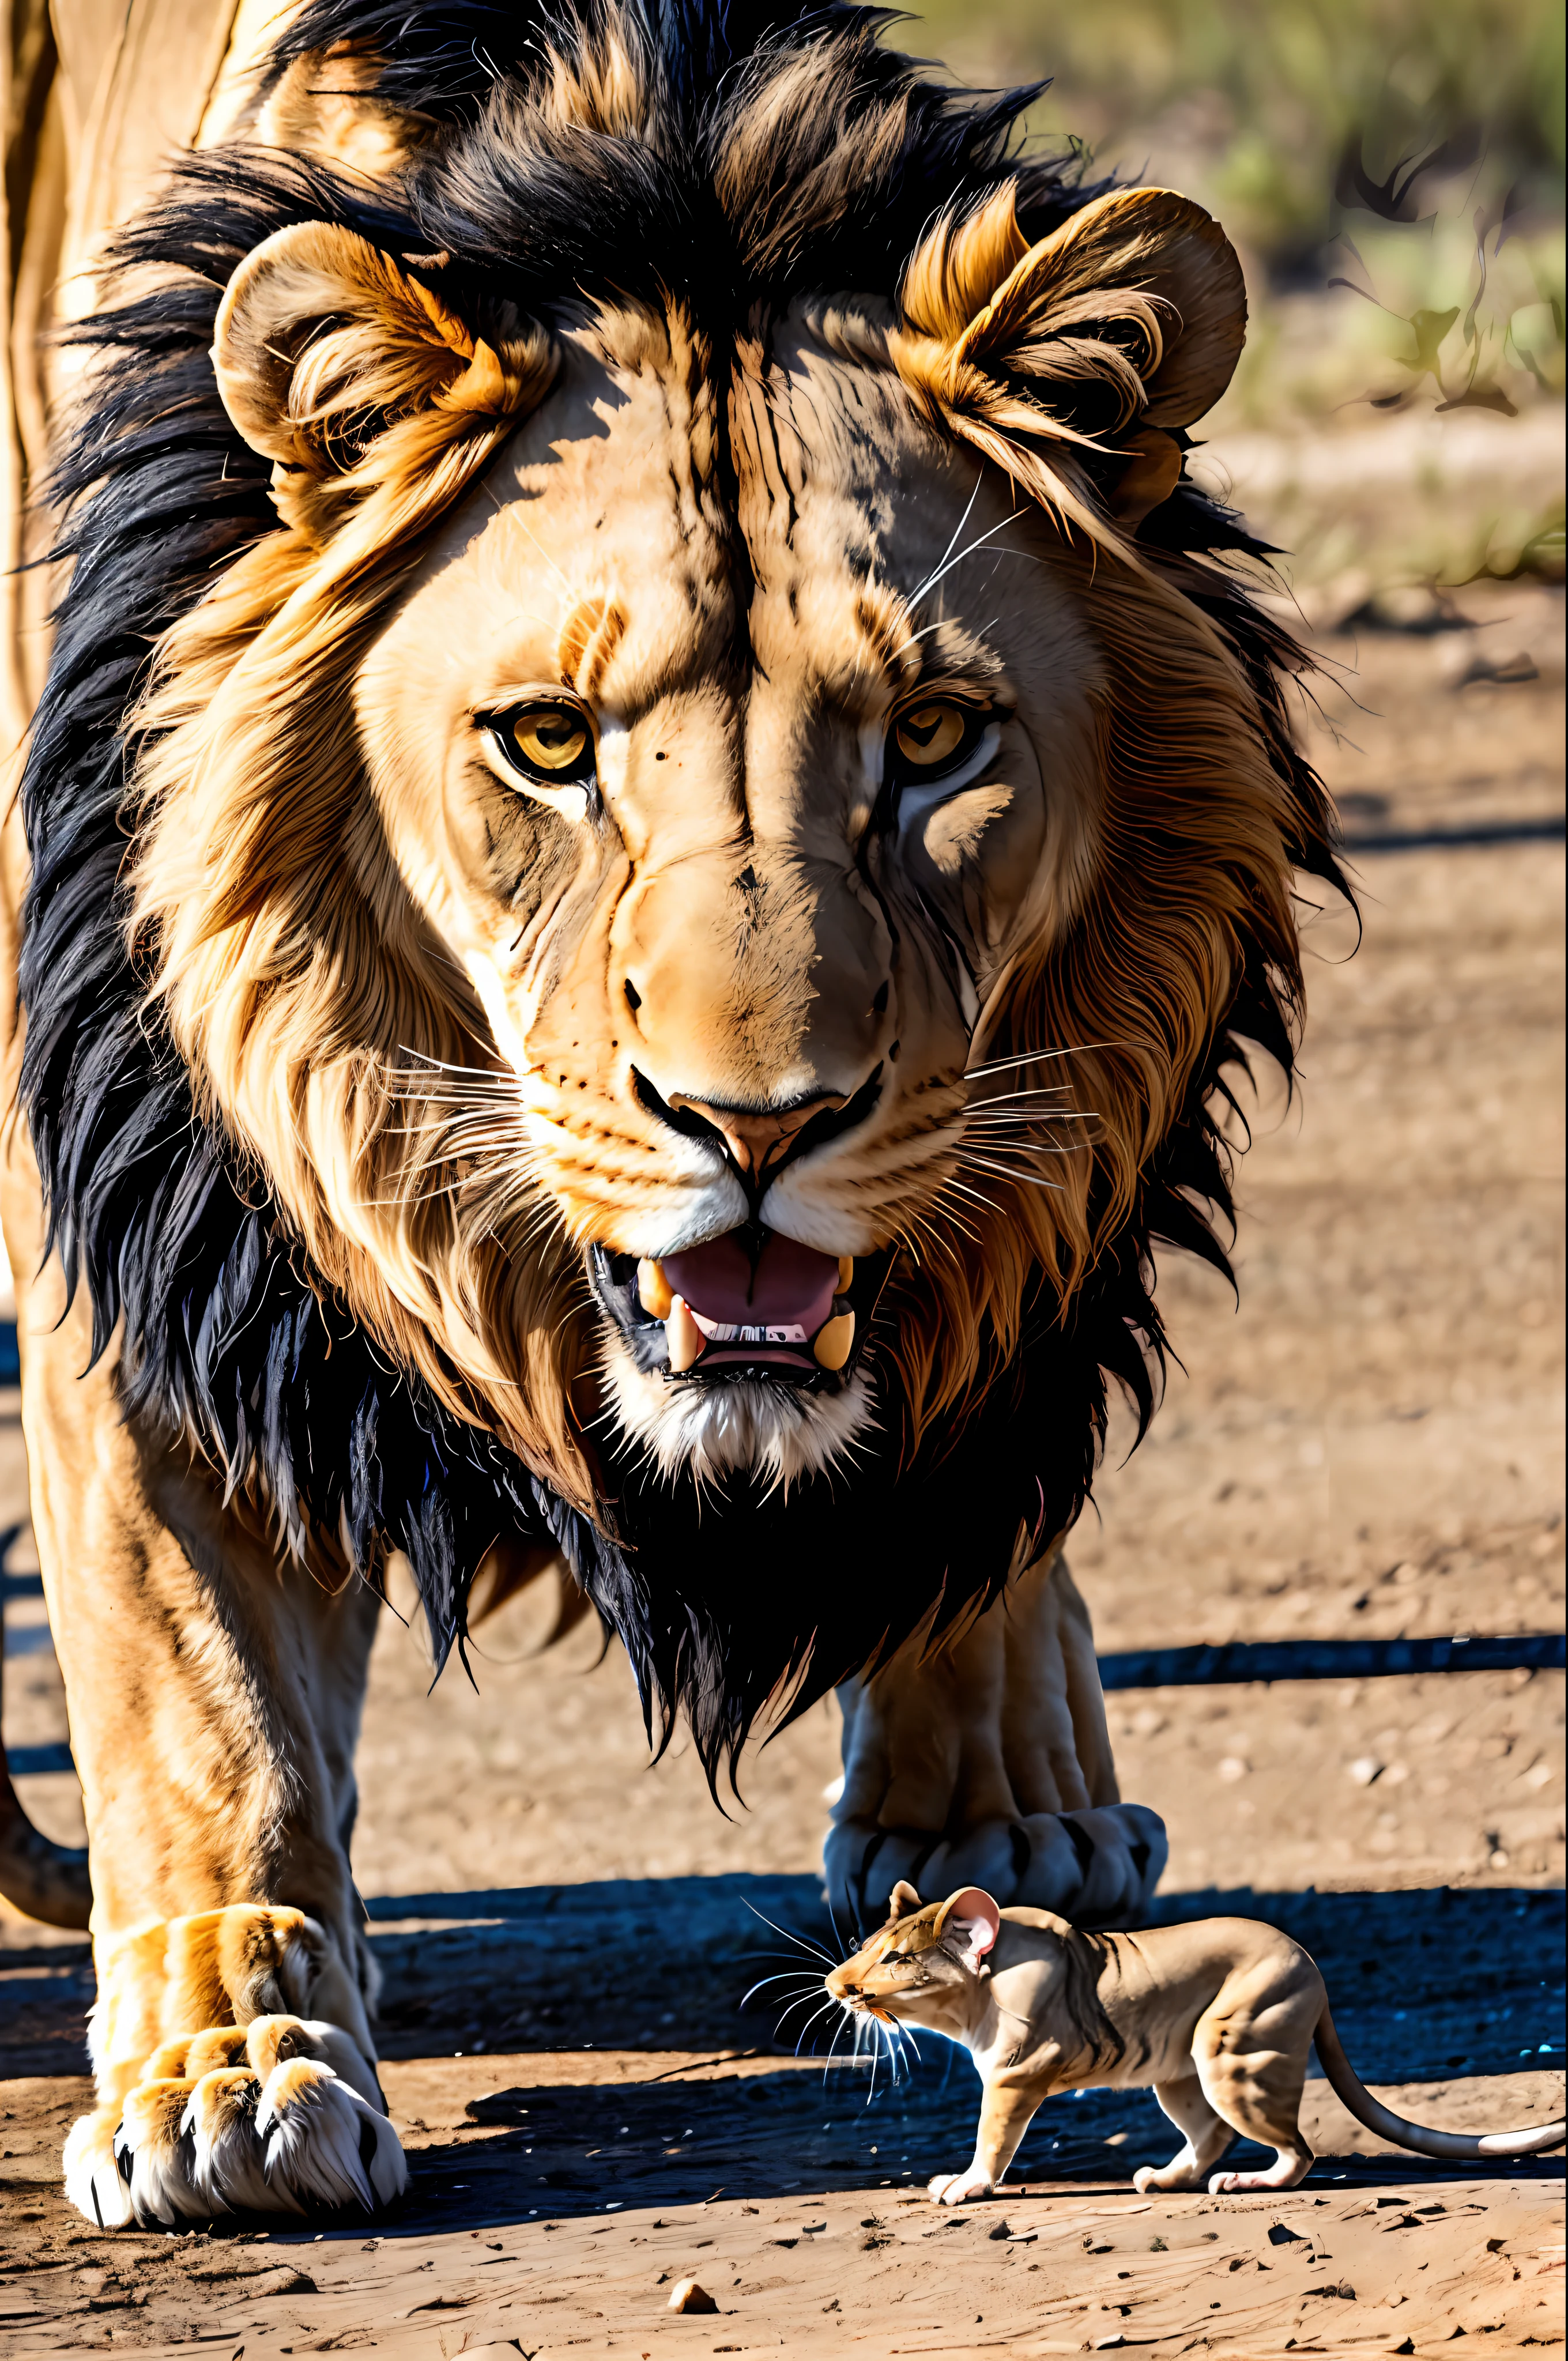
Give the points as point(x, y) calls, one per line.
point(218, 1823)
point(988, 1762)
point(1206, 2134)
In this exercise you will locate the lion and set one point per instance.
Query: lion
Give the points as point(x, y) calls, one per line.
point(655, 820)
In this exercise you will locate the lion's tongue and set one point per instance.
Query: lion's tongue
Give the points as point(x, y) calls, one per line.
point(783, 1302)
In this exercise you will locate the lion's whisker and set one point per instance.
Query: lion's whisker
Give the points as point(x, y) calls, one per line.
point(946, 567)
point(954, 537)
point(1038, 1057)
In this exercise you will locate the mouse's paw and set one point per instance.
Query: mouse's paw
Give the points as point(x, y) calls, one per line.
point(1181, 2173)
point(1285, 2172)
point(958, 2188)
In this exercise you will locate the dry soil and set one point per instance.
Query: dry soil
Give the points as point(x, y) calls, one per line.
point(1371, 1444)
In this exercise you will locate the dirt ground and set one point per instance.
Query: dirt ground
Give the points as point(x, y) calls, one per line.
point(1371, 1444)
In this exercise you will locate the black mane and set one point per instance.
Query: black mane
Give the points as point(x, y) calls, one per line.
point(227, 1332)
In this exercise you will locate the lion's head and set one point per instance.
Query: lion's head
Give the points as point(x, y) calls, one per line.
point(709, 854)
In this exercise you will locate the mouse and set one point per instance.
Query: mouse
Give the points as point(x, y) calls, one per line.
point(1217, 2015)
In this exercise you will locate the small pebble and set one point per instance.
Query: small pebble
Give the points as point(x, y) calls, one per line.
point(1365, 1769)
point(688, 2295)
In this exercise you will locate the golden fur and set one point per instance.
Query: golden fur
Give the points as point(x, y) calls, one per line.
point(397, 976)
point(307, 931)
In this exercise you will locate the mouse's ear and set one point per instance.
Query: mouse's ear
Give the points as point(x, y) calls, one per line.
point(971, 1919)
point(901, 1901)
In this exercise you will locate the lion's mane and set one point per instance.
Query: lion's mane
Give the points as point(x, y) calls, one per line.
point(226, 1329)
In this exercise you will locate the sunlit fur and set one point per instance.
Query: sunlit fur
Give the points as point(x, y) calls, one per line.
point(327, 1059)
point(294, 969)
point(308, 987)
point(710, 1434)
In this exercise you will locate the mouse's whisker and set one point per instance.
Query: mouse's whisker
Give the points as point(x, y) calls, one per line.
point(837, 2036)
point(800, 1942)
point(846, 1951)
point(787, 1976)
point(809, 2023)
point(801, 1999)
point(869, 2023)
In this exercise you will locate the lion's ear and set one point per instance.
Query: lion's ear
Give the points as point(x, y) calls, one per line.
point(1131, 316)
point(323, 344)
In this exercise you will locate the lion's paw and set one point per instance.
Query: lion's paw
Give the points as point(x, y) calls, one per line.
point(321, 2143)
point(862, 1863)
point(93, 2181)
point(1098, 1867)
point(284, 2116)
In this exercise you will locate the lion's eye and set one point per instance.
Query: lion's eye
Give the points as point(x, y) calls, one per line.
point(551, 743)
point(937, 736)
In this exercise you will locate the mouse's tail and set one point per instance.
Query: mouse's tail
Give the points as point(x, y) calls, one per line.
point(1347, 2086)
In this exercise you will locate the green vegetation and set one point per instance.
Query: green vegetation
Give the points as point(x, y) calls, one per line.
point(1393, 173)
point(1271, 96)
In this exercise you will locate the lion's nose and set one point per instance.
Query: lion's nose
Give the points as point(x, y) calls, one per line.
point(755, 1135)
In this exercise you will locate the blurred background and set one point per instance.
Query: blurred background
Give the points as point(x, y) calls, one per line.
point(1392, 172)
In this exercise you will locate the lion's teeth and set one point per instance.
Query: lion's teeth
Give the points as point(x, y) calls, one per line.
point(835, 1342)
point(653, 1290)
point(683, 1337)
point(846, 1274)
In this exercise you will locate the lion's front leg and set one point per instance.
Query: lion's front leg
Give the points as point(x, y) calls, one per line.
point(215, 1695)
point(988, 1762)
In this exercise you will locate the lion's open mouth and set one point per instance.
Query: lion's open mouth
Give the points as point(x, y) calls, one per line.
point(752, 1304)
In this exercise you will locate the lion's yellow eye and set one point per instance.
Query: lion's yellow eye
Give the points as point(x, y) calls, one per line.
point(550, 744)
point(549, 738)
point(926, 736)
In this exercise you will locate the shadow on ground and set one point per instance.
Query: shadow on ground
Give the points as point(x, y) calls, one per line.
point(1427, 1985)
point(1425, 1982)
